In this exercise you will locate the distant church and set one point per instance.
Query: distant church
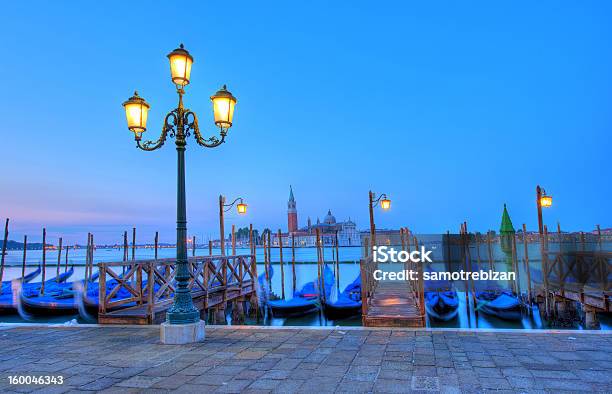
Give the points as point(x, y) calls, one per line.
point(306, 236)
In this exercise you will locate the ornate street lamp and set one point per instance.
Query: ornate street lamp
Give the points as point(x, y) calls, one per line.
point(385, 204)
point(241, 208)
point(179, 124)
point(542, 201)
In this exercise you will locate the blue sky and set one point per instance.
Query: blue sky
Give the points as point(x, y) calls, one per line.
point(451, 108)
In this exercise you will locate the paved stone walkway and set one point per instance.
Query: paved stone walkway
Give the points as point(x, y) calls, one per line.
point(254, 360)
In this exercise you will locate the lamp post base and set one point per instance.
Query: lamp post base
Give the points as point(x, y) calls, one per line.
point(178, 334)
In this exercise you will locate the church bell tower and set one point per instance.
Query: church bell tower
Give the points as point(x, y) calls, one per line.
point(292, 221)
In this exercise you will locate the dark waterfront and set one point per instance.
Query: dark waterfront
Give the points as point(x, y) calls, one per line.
point(306, 270)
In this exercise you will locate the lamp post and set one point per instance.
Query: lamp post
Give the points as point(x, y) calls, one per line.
point(223, 207)
point(385, 204)
point(542, 201)
point(180, 123)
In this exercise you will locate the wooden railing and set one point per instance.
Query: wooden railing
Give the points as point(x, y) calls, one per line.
point(152, 282)
point(579, 275)
point(368, 284)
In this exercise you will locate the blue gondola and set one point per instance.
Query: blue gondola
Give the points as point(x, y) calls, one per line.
point(503, 304)
point(9, 301)
point(348, 303)
point(442, 305)
point(441, 299)
point(62, 299)
point(306, 300)
point(7, 284)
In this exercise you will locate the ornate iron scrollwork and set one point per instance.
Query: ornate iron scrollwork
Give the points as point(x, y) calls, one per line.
point(210, 142)
point(168, 128)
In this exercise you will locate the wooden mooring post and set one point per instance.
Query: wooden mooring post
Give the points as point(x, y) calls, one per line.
point(91, 258)
point(193, 246)
point(319, 267)
point(59, 259)
point(337, 263)
point(133, 243)
point(293, 260)
point(254, 301)
point(526, 266)
point(269, 236)
point(599, 236)
point(125, 249)
point(490, 250)
point(322, 282)
point(156, 243)
point(66, 258)
point(23, 264)
point(233, 239)
point(266, 266)
point(282, 269)
point(44, 261)
point(6, 232)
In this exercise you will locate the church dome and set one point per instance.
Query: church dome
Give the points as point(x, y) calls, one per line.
point(329, 218)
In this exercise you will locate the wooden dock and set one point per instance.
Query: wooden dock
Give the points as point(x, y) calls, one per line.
point(390, 303)
point(393, 305)
point(143, 294)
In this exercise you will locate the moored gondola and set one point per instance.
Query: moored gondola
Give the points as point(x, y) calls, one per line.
point(348, 303)
point(441, 299)
point(502, 304)
point(62, 299)
point(442, 305)
point(307, 299)
point(9, 300)
point(7, 284)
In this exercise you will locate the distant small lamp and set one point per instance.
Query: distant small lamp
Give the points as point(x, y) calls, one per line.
point(385, 203)
point(223, 108)
point(241, 207)
point(136, 113)
point(180, 65)
point(546, 201)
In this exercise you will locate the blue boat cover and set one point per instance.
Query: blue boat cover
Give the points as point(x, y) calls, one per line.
point(350, 296)
point(308, 294)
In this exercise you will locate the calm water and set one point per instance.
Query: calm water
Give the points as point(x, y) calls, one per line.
point(305, 272)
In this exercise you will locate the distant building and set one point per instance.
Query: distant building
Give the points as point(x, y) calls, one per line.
point(306, 236)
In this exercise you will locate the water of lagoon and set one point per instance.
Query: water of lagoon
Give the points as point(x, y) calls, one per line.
point(306, 271)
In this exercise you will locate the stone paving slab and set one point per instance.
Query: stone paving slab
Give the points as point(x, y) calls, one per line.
point(267, 360)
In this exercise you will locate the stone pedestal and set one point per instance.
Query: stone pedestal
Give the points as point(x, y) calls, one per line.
point(178, 334)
